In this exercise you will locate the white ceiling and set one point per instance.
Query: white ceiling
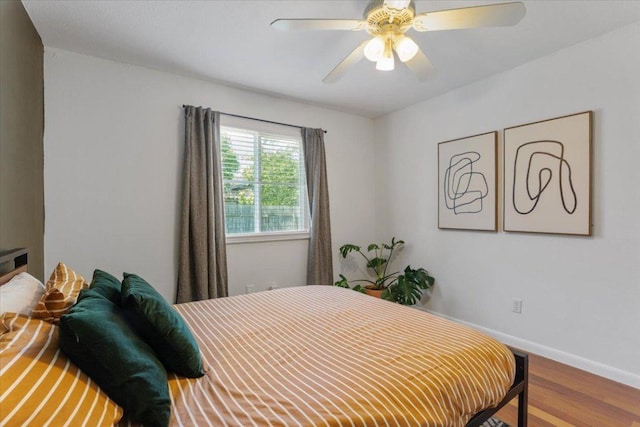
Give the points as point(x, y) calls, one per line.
point(231, 42)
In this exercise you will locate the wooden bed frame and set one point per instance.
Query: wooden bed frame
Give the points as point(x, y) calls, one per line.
point(519, 387)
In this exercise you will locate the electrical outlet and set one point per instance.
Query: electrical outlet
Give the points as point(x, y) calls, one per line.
point(517, 306)
point(250, 289)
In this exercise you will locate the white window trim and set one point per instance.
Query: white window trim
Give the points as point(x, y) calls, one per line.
point(232, 239)
point(277, 129)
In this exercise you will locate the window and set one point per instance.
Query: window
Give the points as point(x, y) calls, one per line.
point(264, 184)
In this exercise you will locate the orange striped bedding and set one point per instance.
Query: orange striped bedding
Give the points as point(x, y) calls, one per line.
point(307, 356)
point(39, 386)
point(327, 356)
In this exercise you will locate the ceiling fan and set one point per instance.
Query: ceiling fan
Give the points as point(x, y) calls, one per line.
point(387, 21)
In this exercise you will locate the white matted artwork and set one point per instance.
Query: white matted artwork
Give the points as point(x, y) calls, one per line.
point(547, 176)
point(467, 178)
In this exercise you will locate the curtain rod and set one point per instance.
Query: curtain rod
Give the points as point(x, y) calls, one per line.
point(261, 120)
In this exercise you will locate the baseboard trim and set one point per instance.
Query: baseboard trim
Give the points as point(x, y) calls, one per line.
point(596, 368)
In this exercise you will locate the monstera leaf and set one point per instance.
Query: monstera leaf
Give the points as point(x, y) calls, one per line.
point(346, 249)
point(407, 288)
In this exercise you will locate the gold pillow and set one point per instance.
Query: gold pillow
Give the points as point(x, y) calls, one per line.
point(61, 294)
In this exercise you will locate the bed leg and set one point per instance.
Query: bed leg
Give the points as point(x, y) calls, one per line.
point(523, 396)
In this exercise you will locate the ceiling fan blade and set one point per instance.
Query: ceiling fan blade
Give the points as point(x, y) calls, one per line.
point(493, 15)
point(420, 66)
point(351, 59)
point(318, 24)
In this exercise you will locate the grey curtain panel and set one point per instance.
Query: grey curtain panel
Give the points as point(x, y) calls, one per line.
point(202, 264)
point(319, 258)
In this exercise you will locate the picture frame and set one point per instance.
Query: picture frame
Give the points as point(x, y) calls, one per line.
point(547, 176)
point(467, 183)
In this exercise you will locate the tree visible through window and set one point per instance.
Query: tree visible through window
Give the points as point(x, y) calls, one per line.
point(264, 185)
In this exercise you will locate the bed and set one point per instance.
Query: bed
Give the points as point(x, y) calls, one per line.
point(303, 356)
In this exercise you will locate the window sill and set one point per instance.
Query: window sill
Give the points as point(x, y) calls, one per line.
point(266, 237)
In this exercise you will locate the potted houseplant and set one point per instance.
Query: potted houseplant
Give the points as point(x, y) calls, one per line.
point(404, 287)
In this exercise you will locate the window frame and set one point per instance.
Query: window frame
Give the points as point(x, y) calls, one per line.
point(268, 129)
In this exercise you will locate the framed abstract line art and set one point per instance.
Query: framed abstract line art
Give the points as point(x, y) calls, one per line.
point(547, 176)
point(467, 181)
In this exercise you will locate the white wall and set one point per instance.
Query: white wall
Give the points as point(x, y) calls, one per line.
point(113, 153)
point(113, 157)
point(581, 294)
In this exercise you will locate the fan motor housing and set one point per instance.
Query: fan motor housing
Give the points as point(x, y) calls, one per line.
point(377, 15)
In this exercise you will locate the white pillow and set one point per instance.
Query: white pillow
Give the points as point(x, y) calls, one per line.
point(20, 294)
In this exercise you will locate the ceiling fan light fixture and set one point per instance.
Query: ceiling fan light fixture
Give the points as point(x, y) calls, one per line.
point(374, 50)
point(386, 62)
point(405, 48)
point(386, 21)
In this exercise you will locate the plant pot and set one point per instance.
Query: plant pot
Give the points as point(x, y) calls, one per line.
point(374, 292)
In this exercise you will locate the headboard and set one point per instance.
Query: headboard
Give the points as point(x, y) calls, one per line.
point(19, 259)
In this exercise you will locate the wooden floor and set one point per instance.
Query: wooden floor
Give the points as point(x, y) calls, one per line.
point(560, 395)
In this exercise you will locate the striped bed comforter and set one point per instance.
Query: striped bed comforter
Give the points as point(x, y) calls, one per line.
point(39, 386)
point(307, 356)
point(328, 356)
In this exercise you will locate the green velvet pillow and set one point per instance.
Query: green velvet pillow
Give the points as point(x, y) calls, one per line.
point(107, 286)
point(161, 327)
point(97, 338)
